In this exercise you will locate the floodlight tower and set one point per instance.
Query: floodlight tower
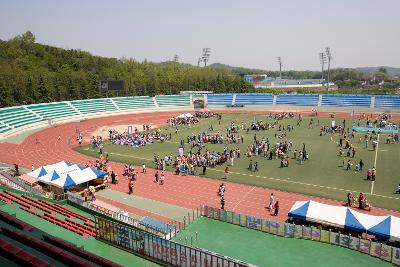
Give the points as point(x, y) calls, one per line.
point(176, 58)
point(280, 67)
point(322, 60)
point(198, 62)
point(329, 57)
point(206, 55)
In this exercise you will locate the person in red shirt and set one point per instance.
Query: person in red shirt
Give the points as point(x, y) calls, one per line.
point(276, 207)
point(226, 172)
point(130, 186)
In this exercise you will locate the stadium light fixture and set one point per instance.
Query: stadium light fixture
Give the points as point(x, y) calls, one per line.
point(176, 58)
point(329, 57)
point(206, 55)
point(280, 67)
point(322, 60)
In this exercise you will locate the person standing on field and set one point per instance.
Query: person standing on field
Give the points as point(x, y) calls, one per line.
point(226, 172)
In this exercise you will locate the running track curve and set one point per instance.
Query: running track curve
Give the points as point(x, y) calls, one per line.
point(56, 143)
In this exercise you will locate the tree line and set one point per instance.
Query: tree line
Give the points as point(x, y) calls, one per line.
point(35, 73)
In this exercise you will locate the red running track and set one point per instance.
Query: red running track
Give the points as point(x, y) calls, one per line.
point(185, 191)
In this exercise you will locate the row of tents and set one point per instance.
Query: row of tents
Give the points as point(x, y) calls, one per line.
point(387, 227)
point(65, 174)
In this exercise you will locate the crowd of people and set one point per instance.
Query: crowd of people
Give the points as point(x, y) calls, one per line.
point(136, 139)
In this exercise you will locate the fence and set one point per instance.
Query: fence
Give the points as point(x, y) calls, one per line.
point(125, 218)
point(17, 183)
point(385, 252)
point(159, 249)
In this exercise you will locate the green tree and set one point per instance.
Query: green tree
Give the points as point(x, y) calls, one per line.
point(44, 94)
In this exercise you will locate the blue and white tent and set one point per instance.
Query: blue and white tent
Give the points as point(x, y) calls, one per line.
point(343, 217)
point(65, 174)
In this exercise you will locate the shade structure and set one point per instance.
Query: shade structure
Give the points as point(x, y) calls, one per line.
point(343, 217)
point(65, 174)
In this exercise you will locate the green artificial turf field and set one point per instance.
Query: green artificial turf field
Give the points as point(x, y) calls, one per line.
point(264, 249)
point(322, 175)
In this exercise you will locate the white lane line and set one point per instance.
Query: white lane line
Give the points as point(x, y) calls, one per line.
point(243, 198)
point(376, 157)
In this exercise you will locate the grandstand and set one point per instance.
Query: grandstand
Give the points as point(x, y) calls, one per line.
point(173, 100)
point(219, 99)
point(346, 101)
point(387, 102)
point(297, 99)
point(254, 99)
point(134, 102)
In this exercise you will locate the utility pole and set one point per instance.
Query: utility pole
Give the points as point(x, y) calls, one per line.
point(176, 58)
point(322, 60)
point(205, 55)
point(198, 62)
point(329, 56)
point(280, 67)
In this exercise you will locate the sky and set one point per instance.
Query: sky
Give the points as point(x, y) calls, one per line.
point(243, 33)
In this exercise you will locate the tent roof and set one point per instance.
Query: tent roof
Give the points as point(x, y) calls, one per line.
point(344, 217)
point(65, 174)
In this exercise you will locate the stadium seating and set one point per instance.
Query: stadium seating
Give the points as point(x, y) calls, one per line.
point(53, 110)
point(173, 100)
point(387, 102)
point(297, 99)
point(14, 221)
point(91, 106)
point(77, 251)
point(134, 102)
point(46, 248)
point(50, 212)
point(254, 99)
point(18, 116)
point(219, 99)
point(19, 256)
point(4, 128)
point(346, 101)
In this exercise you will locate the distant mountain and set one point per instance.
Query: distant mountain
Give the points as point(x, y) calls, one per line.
point(238, 70)
point(390, 71)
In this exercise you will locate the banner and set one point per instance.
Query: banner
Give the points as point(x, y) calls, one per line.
point(273, 227)
point(216, 214)
point(236, 218)
point(210, 213)
point(289, 230)
point(324, 236)
point(298, 232)
point(265, 225)
point(315, 233)
point(222, 215)
point(364, 246)
point(281, 229)
point(334, 238)
point(344, 240)
point(229, 216)
point(243, 220)
point(386, 253)
point(375, 249)
point(354, 243)
point(396, 256)
point(253, 222)
point(306, 232)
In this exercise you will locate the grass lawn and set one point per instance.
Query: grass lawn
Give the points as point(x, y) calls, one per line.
point(322, 175)
point(264, 249)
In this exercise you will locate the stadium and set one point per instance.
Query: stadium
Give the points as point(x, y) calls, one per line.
point(47, 207)
point(199, 133)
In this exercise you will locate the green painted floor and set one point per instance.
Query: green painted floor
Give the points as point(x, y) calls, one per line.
point(264, 249)
point(88, 243)
point(153, 206)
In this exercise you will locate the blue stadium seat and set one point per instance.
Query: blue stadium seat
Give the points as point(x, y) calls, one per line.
point(387, 102)
point(297, 99)
point(157, 225)
point(219, 99)
point(346, 101)
point(254, 99)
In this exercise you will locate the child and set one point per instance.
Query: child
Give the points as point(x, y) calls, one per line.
point(144, 168)
point(162, 178)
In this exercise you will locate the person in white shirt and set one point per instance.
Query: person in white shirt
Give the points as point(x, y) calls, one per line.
point(271, 201)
